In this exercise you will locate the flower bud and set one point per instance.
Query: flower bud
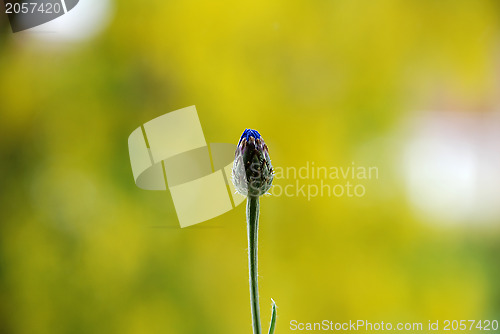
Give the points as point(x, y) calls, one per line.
point(252, 170)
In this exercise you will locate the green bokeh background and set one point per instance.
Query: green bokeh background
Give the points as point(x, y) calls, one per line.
point(83, 250)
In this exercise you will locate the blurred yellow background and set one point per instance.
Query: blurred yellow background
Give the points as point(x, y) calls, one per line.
point(377, 83)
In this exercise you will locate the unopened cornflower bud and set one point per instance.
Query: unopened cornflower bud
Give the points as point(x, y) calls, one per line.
point(252, 170)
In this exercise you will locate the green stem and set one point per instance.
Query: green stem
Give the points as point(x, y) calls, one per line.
point(252, 228)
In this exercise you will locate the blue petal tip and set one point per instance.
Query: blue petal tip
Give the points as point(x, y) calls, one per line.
point(249, 133)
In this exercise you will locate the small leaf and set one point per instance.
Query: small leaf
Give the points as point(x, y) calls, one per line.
point(272, 326)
